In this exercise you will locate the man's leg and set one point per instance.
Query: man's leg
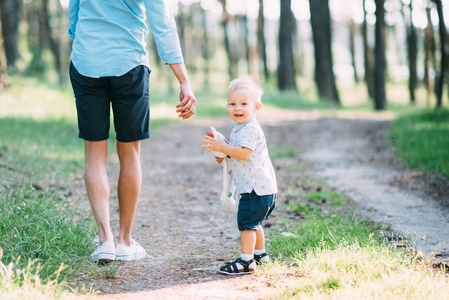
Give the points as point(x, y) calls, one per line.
point(129, 183)
point(97, 186)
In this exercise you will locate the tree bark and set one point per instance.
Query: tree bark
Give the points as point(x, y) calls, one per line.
point(368, 56)
point(352, 32)
point(205, 50)
point(261, 43)
point(379, 53)
point(53, 41)
point(10, 17)
point(429, 54)
point(412, 56)
point(444, 55)
point(286, 68)
point(230, 51)
point(322, 39)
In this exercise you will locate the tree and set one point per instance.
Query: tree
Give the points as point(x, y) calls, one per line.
point(286, 68)
point(261, 43)
point(322, 39)
point(10, 17)
point(379, 57)
point(352, 32)
point(232, 56)
point(412, 55)
point(444, 54)
point(429, 53)
point(368, 56)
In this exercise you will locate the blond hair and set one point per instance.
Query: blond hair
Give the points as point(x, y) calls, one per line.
point(249, 83)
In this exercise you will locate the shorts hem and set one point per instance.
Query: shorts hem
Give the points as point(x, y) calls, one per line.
point(249, 227)
point(134, 138)
point(92, 138)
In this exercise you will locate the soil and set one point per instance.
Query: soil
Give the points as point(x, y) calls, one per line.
point(188, 235)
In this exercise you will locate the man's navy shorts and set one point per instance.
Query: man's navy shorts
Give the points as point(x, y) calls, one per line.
point(254, 209)
point(129, 96)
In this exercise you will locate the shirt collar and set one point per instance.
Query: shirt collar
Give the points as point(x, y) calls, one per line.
point(251, 120)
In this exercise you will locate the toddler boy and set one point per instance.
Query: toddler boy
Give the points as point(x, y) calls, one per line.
point(253, 172)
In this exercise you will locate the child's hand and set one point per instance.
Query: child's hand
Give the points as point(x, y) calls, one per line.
point(219, 160)
point(212, 144)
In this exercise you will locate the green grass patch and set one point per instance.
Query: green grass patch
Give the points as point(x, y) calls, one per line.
point(40, 147)
point(36, 225)
point(334, 254)
point(422, 140)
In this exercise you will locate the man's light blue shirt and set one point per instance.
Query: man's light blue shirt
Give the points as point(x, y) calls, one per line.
point(109, 35)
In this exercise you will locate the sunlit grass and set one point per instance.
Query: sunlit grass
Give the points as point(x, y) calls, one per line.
point(331, 253)
point(422, 140)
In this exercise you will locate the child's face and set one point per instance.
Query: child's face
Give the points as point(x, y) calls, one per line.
point(241, 106)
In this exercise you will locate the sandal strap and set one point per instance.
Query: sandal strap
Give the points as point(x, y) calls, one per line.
point(232, 267)
point(245, 263)
point(257, 257)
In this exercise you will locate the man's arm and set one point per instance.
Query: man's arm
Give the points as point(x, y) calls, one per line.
point(163, 28)
point(187, 105)
point(72, 12)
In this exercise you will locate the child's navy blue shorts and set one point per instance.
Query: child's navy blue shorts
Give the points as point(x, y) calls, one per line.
point(254, 209)
point(129, 96)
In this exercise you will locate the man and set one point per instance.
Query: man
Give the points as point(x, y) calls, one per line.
point(109, 65)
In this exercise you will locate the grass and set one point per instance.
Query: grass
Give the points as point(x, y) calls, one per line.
point(333, 254)
point(45, 235)
point(421, 140)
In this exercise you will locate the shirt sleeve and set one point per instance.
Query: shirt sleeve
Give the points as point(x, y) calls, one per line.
point(248, 137)
point(74, 7)
point(163, 27)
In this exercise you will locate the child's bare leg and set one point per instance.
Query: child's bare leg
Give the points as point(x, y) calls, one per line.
point(248, 241)
point(260, 239)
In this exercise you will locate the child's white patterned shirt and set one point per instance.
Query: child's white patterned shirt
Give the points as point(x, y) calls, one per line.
point(255, 173)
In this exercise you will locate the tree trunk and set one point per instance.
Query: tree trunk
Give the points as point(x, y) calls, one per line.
point(4, 78)
point(10, 17)
point(205, 50)
point(352, 32)
point(35, 38)
point(368, 56)
point(53, 41)
point(429, 56)
point(261, 43)
point(322, 39)
point(379, 53)
point(412, 56)
point(444, 55)
point(232, 57)
point(286, 68)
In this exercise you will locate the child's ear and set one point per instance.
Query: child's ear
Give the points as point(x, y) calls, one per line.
point(258, 106)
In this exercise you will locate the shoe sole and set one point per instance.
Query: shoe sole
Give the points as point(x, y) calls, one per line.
point(239, 273)
point(104, 258)
point(130, 257)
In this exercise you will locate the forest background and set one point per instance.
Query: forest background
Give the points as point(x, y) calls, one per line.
point(320, 49)
point(376, 56)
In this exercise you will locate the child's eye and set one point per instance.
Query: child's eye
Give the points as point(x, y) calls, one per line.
point(231, 104)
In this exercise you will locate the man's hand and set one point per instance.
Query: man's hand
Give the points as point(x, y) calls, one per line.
point(187, 105)
point(187, 101)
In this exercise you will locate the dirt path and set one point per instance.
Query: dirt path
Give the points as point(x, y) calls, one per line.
point(188, 235)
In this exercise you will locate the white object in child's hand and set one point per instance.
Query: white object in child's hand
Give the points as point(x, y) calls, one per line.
point(227, 200)
point(218, 136)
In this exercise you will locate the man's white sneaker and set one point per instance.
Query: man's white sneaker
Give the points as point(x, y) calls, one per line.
point(104, 253)
point(132, 252)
